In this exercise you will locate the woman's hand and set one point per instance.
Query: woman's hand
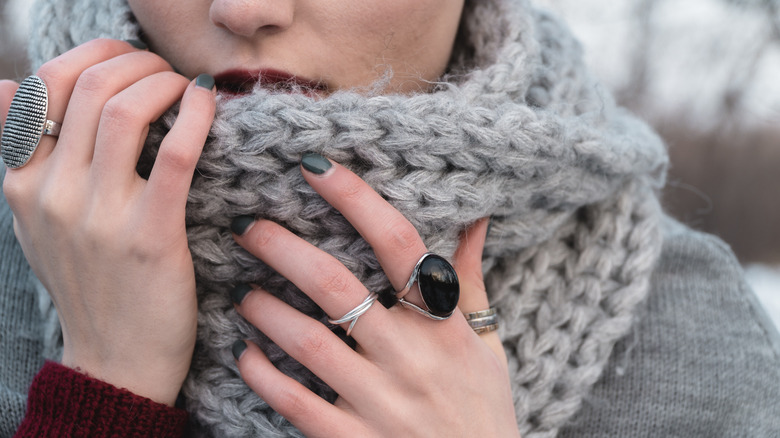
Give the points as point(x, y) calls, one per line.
point(109, 246)
point(410, 376)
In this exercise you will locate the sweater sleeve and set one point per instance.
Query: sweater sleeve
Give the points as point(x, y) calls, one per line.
point(65, 403)
point(701, 362)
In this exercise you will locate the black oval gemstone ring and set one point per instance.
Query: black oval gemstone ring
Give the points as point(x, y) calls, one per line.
point(439, 287)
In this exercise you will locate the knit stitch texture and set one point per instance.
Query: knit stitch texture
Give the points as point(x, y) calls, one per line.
point(65, 403)
point(517, 131)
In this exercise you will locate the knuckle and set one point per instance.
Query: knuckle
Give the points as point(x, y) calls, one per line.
point(178, 156)
point(291, 404)
point(117, 112)
point(352, 191)
point(92, 81)
point(265, 233)
point(333, 279)
point(13, 189)
point(402, 237)
point(313, 343)
point(55, 72)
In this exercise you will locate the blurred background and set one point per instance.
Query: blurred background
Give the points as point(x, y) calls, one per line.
point(705, 73)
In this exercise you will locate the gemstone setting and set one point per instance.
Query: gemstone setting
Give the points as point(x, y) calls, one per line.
point(439, 287)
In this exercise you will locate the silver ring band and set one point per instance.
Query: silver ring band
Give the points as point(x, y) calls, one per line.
point(486, 329)
point(483, 321)
point(355, 313)
point(52, 128)
point(422, 311)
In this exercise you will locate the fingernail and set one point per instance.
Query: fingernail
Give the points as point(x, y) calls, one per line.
point(315, 163)
point(489, 227)
point(238, 348)
point(205, 80)
point(239, 292)
point(241, 224)
point(138, 44)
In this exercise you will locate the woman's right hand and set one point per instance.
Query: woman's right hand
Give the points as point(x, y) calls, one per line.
point(109, 246)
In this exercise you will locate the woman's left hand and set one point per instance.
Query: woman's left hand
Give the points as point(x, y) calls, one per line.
point(410, 375)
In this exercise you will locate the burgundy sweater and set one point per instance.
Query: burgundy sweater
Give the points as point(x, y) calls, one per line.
point(65, 403)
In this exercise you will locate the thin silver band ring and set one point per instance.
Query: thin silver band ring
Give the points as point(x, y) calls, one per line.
point(483, 321)
point(355, 313)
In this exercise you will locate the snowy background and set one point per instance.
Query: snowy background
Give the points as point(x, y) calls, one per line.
point(708, 67)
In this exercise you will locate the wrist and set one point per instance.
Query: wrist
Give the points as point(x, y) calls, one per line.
point(159, 382)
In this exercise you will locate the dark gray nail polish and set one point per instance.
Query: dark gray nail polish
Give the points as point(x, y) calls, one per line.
point(315, 163)
point(239, 292)
point(490, 226)
point(205, 80)
point(238, 348)
point(240, 224)
point(138, 44)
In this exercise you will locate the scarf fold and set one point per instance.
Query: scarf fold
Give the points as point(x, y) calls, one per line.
point(517, 131)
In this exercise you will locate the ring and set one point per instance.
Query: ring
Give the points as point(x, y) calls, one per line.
point(26, 123)
point(483, 321)
point(355, 313)
point(439, 287)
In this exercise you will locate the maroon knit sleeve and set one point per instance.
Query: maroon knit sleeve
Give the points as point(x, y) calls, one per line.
point(65, 403)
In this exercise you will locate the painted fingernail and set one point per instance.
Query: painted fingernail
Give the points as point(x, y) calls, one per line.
point(490, 226)
point(315, 163)
point(241, 224)
point(238, 348)
point(205, 81)
point(138, 44)
point(239, 292)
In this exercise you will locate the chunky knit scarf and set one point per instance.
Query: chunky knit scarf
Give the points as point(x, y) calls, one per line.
point(517, 131)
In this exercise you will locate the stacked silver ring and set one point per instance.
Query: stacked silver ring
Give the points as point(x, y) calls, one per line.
point(355, 313)
point(483, 321)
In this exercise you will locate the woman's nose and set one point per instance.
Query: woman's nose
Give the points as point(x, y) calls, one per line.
point(247, 17)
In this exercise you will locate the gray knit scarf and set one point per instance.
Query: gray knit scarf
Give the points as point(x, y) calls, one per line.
point(517, 131)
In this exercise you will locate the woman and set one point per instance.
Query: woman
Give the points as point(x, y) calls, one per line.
point(451, 113)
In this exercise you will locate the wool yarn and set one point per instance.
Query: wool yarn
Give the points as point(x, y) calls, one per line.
point(517, 130)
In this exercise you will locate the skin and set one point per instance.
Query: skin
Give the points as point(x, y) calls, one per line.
point(342, 43)
point(111, 247)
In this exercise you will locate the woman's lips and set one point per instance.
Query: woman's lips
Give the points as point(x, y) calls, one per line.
point(241, 82)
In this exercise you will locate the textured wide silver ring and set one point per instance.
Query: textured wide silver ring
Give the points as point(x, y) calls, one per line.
point(483, 321)
point(355, 313)
point(438, 284)
point(26, 123)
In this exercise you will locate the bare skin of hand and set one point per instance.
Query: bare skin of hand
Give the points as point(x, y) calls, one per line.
point(109, 246)
point(410, 376)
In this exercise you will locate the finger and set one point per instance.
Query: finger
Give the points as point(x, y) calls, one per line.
point(395, 241)
point(308, 412)
point(60, 75)
point(88, 107)
point(323, 278)
point(468, 263)
point(308, 341)
point(171, 176)
point(123, 127)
